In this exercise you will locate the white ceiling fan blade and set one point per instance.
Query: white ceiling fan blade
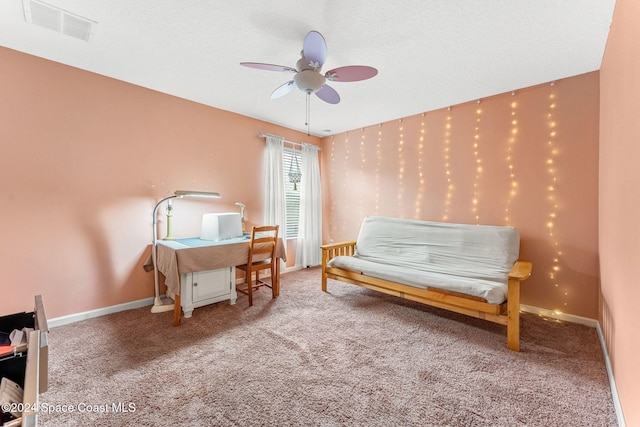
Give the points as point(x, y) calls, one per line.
point(268, 67)
point(328, 94)
point(283, 90)
point(351, 73)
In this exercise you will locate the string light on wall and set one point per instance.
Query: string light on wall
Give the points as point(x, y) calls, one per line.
point(447, 165)
point(551, 191)
point(478, 165)
point(332, 162)
point(400, 168)
point(420, 169)
point(363, 161)
point(378, 166)
point(346, 207)
point(513, 137)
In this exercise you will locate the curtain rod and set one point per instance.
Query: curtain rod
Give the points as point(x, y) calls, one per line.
point(299, 144)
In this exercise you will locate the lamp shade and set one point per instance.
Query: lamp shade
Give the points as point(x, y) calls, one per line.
point(188, 193)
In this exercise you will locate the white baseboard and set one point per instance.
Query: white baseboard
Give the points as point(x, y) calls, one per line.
point(612, 382)
point(594, 324)
point(559, 316)
point(77, 317)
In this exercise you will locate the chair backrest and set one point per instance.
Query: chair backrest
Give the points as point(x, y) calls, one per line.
point(263, 243)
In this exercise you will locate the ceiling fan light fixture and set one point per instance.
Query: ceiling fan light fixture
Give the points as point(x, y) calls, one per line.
point(309, 81)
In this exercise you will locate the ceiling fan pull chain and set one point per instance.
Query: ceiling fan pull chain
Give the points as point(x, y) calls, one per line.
point(308, 118)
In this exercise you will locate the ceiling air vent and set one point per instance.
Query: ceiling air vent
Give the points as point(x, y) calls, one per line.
point(58, 20)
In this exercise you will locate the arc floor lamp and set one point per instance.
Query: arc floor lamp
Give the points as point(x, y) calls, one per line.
point(158, 305)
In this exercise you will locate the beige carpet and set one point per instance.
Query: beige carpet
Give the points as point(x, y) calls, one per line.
point(348, 357)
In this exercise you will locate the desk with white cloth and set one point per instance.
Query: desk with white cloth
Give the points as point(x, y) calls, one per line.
point(182, 257)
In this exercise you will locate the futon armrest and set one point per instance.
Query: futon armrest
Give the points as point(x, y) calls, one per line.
point(521, 270)
point(338, 245)
point(333, 250)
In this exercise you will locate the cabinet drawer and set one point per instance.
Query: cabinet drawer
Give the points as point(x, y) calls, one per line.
point(200, 288)
point(211, 284)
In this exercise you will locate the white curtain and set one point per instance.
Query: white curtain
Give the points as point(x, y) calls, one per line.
point(310, 226)
point(275, 212)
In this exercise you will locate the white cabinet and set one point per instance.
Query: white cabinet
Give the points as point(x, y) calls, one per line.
point(206, 287)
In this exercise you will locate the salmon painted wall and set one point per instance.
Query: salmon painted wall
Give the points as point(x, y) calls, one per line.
point(620, 202)
point(527, 159)
point(85, 159)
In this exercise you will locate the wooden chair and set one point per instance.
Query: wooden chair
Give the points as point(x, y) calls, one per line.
point(262, 256)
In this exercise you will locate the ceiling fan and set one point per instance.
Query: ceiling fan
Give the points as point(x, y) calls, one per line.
point(307, 76)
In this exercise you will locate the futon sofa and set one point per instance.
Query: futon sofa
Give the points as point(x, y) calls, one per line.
point(468, 269)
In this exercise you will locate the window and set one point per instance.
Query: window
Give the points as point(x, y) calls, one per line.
point(289, 159)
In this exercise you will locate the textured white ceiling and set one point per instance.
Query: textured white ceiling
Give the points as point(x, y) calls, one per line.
point(430, 53)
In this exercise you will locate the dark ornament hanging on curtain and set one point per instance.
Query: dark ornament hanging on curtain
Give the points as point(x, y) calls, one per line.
point(294, 175)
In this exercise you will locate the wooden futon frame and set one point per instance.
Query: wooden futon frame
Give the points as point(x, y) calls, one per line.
point(507, 313)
